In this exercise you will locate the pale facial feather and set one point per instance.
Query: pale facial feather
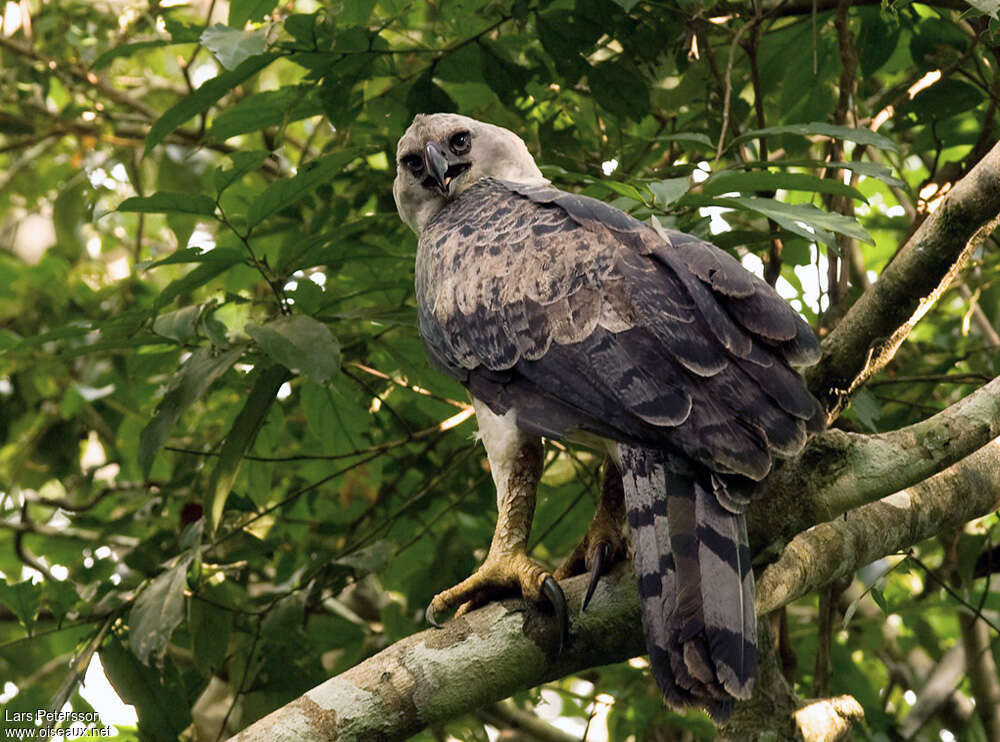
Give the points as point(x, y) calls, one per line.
point(495, 153)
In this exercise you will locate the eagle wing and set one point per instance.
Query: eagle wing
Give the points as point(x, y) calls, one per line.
point(581, 317)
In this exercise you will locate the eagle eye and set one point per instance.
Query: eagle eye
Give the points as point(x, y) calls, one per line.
point(413, 163)
point(460, 142)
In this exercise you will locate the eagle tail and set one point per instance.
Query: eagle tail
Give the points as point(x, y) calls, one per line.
point(692, 560)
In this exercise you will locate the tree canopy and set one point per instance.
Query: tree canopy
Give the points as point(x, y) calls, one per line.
point(227, 469)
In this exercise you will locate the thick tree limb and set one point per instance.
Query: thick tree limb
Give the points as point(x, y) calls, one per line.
point(839, 471)
point(476, 659)
point(830, 550)
point(873, 329)
point(486, 655)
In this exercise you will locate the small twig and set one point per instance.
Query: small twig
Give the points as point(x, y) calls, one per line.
point(932, 379)
point(403, 383)
point(729, 86)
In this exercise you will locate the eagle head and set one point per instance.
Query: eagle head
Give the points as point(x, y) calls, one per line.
point(442, 154)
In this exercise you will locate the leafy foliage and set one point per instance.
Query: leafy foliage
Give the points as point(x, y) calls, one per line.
point(206, 309)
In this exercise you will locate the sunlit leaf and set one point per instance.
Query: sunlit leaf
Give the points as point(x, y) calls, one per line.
point(752, 182)
point(301, 344)
point(241, 11)
point(819, 128)
point(22, 599)
point(233, 46)
point(287, 191)
point(243, 163)
point(205, 97)
point(165, 202)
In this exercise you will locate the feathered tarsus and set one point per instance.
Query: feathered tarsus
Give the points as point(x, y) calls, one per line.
point(565, 316)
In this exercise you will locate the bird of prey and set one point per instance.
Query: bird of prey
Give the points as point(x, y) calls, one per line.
point(566, 318)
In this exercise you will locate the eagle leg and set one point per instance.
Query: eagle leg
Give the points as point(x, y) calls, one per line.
point(516, 464)
point(603, 545)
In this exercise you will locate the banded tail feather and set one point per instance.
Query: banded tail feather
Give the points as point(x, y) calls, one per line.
point(692, 560)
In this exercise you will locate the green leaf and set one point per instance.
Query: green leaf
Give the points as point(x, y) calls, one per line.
point(269, 108)
point(178, 325)
point(243, 163)
point(879, 599)
point(167, 202)
point(752, 182)
point(240, 437)
point(621, 189)
point(505, 78)
point(688, 136)
point(241, 11)
point(189, 384)
point(157, 612)
point(970, 546)
point(204, 97)
point(620, 88)
point(356, 12)
point(233, 46)
point(869, 169)
point(201, 275)
point(426, 96)
point(162, 708)
point(60, 597)
point(804, 220)
point(567, 38)
point(22, 599)
point(126, 50)
point(667, 191)
point(209, 626)
point(867, 409)
point(851, 610)
point(302, 28)
point(847, 133)
point(876, 41)
point(226, 255)
point(285, 192)
point(301, 344)
point(942, 101)
point(181, 32)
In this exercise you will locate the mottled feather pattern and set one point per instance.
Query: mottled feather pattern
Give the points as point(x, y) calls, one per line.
point(581, 318)
point(628, 312)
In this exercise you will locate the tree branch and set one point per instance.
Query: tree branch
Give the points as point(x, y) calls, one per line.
point(830, 550)
point(982, 672)
point(486, 655)
point(839, 471)
point(475, 660)
point(873, 329)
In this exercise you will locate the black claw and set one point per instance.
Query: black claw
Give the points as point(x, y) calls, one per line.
point(556, 597)
point(429, 615)
point(600, 557)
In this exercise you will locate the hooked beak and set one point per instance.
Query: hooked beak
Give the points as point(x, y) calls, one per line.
point(442, 168)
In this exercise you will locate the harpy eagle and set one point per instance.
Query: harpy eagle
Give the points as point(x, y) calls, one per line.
point(567, 318)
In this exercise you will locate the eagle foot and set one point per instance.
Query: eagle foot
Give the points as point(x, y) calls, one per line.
point(499, 576)
point(597, 553)
point(603, 545)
